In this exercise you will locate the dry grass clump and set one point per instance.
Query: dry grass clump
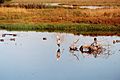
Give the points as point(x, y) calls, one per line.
point(12, 14)
point(12, 10)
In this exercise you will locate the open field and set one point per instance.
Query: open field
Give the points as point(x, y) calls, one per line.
point(98, 16)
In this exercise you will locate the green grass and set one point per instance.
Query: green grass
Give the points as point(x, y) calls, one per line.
point(67, 28)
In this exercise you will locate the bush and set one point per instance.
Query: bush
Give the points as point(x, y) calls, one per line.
point(2, 1)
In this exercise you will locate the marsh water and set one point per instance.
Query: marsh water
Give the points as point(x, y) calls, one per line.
point(37, 56)
point(72, 6)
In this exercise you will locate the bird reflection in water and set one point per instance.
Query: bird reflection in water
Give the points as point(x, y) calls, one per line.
point(116, 41)
point(6, 38)
point(74, 53)
point(91, 50)
point(73, 49)
point(59, 40)
point(58, 55)
point(73, 46)
point(11, 35)
point(1, 40)
point(12, 39)
point(95, 49)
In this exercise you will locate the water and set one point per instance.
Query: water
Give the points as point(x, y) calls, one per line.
point(94, 7)
point(52, 4)
point(29, 57)
point(71, 6)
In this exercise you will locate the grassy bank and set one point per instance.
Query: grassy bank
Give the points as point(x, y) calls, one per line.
point(86, 29)
point(96, 21)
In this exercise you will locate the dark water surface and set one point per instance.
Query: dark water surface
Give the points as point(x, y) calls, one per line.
point(36, 56)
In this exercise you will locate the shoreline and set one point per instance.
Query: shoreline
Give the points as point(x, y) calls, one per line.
point(95, 21)
point(76, 29)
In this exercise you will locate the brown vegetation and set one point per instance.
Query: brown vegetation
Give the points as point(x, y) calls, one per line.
point(60, 15)
point(30, 4)
point(75, 2)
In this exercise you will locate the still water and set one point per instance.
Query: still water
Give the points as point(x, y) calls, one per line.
point(46, 56)
point(71, 6)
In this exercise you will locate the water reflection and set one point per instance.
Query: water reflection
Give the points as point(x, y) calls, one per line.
point(76, 46)
point(36, 59)
point(1, 40)
point(94, 48)
point(58, 55)
point(95, 51)
point(3, 35)
point(94, 7)
point(58, 39)
point(74, 6)
point(73, 46)
point(11, 37)
point(116, 41)
point(44, 38)
point(74, 54)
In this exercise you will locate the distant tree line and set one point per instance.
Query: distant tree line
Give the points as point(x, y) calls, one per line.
point(2, 1)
